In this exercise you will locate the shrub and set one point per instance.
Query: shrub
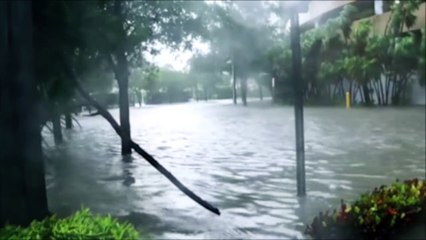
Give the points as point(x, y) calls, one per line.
point(374, 215)
point(81, 225)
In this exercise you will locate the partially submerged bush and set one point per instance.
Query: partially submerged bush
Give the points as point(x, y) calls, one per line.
point(82, 225)
point(374, 215)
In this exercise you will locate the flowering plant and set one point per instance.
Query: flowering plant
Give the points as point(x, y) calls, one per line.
point(374, 215)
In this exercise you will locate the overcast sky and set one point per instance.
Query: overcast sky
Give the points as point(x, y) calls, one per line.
point(178, 60)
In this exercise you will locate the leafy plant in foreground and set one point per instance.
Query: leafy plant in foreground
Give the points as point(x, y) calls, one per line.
point(374, 215)
point(81, 225)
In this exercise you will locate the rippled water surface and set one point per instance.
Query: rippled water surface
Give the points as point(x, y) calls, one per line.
point(241, 160)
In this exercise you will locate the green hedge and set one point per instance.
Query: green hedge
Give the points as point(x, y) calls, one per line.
point(81, 225)
point(375, 215)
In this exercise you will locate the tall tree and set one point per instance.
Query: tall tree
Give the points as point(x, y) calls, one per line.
point(132, 26)
point(422, 60)
point(238, 36)
point(22, 183)
point(121, 70)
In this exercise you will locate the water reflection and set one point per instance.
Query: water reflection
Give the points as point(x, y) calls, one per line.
point(239, 159)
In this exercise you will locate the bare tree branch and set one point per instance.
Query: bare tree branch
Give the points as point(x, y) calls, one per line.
point(102, 111)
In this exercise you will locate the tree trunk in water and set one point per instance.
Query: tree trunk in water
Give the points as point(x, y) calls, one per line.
point(123, 87)
point(138, 94)
point(400, 93)
point(260, 91)
point(361, 96)
point(122, 75)
point(169, 96)
point(22, 183)
point(244, 91)
point(395, 92)
point(377, 91)
point(404, 89)
point(138, 149)
point(328, 92)
point(366, 94)
point(273, 85)
point(234, 84)
point(68, 120)
point(382, 94)
point(342, 88)
point(334, 92)
point(350, 92)
point(57, 128)
point(387, 89)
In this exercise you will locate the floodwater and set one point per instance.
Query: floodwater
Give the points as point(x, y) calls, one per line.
point(240, 159)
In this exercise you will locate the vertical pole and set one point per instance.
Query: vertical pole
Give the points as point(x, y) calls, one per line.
point(234, 83)
point(348, 100)
point(298, 106)
point(273, 89)
point(142, 102)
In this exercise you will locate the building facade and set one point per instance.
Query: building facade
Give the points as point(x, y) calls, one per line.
point(377, 11)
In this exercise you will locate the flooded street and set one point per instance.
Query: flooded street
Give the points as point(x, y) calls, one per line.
point(241, 160)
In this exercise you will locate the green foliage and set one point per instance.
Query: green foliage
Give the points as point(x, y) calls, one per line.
point(374, 215)
point(322, 50)
point(402, 15)
point(279, 57)
point(339, 50)
point(93, 37)
point(422, 60)
point(405, 54)
point(329, 72)
point(144, 78)
point(168, 86)
point(237, 33)
point(81, 225)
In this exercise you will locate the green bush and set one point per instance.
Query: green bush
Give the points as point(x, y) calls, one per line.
point(375, 215)
point(82, 225)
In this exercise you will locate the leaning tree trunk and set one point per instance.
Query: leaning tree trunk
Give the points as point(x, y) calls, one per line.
point(136, 147)
point(22, 184)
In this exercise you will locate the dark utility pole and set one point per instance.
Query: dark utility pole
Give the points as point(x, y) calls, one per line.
point(234, 83)
point(298, 101)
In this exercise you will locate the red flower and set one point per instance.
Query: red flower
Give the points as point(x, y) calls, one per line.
point(392, 211)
